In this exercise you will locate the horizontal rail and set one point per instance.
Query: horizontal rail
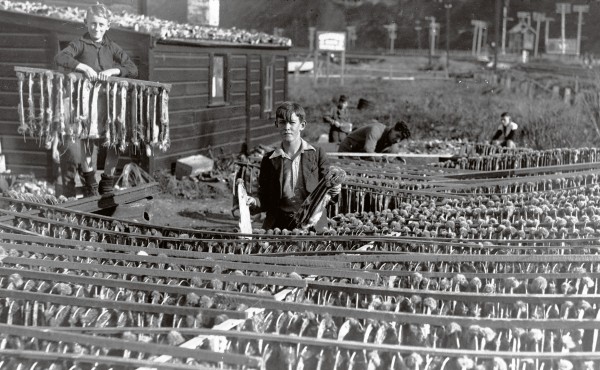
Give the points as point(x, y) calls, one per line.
point(110, 79)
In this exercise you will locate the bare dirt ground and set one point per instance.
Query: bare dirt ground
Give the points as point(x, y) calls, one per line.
point(196, 205)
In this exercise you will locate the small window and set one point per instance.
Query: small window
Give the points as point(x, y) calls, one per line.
point(268, 89)
point(218, 79)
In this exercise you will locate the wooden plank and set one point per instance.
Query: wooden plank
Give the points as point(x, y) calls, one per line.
point(7, 69)
point(226, 111)
point(188, 88)
point(22, 40)
point(237, 74)
point(237, 86)
point(203, 128)
point(262, 130)
point(8, 114)
point(255, 101)
point(9, 84)
point(237, 61)
point(195, 59)
point(16, 142)
point(237, 98)
point(224, 137)
point(9, 98)
point(188, 102)
point(181, 74)
point(22, 56)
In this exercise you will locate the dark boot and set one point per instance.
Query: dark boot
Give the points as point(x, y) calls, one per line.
point(107, 184)
point(90, 186)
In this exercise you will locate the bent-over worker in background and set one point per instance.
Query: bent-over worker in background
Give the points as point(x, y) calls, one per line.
point(98, 57)
point(505, 134)
point(375, 137)
point(339, 121)
point(289, 173)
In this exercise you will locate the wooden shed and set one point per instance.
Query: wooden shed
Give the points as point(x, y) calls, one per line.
point(521, 37)
point(222, 98)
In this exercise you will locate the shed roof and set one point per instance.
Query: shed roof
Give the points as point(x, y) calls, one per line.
point(522, 27)
point(163, 30)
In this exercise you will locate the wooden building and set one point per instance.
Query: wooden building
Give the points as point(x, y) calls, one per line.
point(521, 38)
point(222, 98)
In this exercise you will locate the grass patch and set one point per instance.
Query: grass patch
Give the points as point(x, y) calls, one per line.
point(447, 109)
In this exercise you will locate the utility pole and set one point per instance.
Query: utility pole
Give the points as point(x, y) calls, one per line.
point(432, 32)
point(351, 35)
point(580, 9)
point(547, 31)
point(479, 28)
point(504, 19)
point(418, 28)
point(538, 18)
point(448, 6)
point(563, 9)
point(391, 28)
point(498, 15)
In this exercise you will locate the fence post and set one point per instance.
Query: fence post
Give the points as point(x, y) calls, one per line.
point(567, 96)
point(531, 92)
point(555, 92)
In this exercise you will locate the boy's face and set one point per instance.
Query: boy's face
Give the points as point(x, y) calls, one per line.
point(505, 120)
point(97, 26)
point(290, 130)
point(394, 136)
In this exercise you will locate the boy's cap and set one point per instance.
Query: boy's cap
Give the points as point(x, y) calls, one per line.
point(343, 99)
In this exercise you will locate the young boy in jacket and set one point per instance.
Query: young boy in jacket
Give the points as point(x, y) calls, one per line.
point(98, 57)
point(289, 173)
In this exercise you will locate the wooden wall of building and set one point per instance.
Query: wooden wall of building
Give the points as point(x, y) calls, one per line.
point(33, 42)
point(196, 125)
point(20, 45)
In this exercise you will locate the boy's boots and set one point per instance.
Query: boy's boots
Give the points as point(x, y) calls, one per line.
point(107, 184)
point(90, 186)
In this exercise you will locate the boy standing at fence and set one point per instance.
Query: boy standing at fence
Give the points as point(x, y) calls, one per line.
point(98, 58)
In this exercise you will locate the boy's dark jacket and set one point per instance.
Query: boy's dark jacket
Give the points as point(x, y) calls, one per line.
point(99, 56)
point(314, 167)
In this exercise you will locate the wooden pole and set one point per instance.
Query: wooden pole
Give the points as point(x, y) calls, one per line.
point(448, 6)
point(504, 19)
point(475, 32)
point(538, 18)
point(479, 38)
point(547, 32)
point(580, 9)
point(498, 15)
point(563, 9)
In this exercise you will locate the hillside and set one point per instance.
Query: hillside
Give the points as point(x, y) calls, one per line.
point(295, 16)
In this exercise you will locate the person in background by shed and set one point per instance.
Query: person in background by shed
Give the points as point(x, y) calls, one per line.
point(505, 134)
point(339, 121)
point(289, 173)
point(98, 57)
point(375, 137)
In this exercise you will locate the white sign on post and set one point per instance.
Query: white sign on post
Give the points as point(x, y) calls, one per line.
point(331, 41)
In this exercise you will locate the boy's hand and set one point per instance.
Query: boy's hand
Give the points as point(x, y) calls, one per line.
point(55, 154)
point(104, 75)
point(334, 190)
point(87, 71)
point(251, 202)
